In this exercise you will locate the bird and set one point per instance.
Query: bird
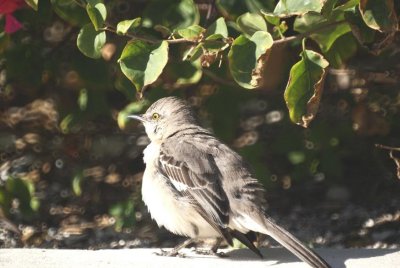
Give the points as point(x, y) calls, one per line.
point(198, 187)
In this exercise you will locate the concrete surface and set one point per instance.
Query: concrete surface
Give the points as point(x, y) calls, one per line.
point(121, 258)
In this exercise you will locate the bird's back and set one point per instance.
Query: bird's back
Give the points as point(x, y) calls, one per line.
point(207, 154)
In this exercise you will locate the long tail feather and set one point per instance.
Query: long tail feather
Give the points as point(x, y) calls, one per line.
point(242, 238)
point(293, 244)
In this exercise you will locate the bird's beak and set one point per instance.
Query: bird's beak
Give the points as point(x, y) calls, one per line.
point(138, 117)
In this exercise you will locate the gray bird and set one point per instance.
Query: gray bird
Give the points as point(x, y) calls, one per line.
point(196, 186)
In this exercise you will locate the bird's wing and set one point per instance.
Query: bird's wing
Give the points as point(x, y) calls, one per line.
point(195, 175)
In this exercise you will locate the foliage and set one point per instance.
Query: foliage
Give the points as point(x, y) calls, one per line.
point(73, 70)
point(323, 21)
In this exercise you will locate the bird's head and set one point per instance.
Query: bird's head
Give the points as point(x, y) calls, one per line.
point(166, 117)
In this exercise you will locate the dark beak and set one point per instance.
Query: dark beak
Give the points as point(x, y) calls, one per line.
point(137, 117)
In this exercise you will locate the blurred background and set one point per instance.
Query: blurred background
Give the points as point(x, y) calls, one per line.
point(70, 176)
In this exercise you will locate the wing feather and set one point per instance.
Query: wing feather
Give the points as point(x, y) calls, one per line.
point(202, 187)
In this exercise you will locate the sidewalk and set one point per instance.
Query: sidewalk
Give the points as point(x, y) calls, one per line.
point(121, 258)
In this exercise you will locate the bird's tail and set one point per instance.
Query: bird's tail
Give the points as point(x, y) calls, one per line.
point(290, 242)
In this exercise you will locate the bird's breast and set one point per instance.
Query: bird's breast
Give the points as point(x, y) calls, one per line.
point(166, 206)
point(151, 153)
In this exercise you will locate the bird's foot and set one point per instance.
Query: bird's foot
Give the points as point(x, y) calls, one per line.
point(170, 253)
point(211, 253)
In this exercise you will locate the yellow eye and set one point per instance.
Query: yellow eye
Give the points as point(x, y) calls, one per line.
point(155, 116)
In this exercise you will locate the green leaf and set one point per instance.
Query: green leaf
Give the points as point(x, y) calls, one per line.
point(272, 19)
point(165, 32)
point(70, 11)
point(288, 8)
point(83, 99)
point(342, 49)
point(90, 42)
point(23, 191)
point(143, 63)
point(97, 13)
point(4, 41)
point(247, 56)
point(350, 4)
point(379, 15)
point(124, 214)
point(325, 38)
point(192, 33)
point(360, 30)
point(128, 26)
point(33, 4)
point(132, 108)
point(328, 7)
point(77, 183)
point(194, 53)
point(250, 23)
point(217, 30)
point(173, 14)
point(69, 122)
point(304, 89)
point(183, 73)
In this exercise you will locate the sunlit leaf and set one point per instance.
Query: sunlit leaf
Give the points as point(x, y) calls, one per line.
point(217, 30)
point(247, 57)
point(83, 99)
point(194, 53)
point(379, 15)
point(341, 50)
point(143, 63)
point(33, 4)
point(128, 26)
point(250, 23)
point(347, 5)
point(326, 37)
point(287, 8)
point(272, 19)
point(304, 89)
point(191, 33)
point(130, 109)
point(97, 13)
point(77, 183)
point(90, 42)
point(68, 123)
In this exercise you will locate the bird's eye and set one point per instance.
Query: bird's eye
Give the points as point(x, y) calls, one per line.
point(155, 116)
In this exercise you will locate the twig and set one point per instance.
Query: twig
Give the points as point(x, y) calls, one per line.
point(112, 29)
point(305, 34)
point(385, 147)
point(136, 37)
point(182, 40)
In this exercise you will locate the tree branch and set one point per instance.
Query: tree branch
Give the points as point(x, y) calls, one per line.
point(306, 34)
point(300, 36)
point(112, 29)
point(385, 147)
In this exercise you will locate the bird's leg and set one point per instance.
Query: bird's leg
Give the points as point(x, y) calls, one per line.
point(213, 250)
point(175, 251)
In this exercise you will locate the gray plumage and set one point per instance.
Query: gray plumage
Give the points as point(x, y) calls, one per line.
point(196, 186)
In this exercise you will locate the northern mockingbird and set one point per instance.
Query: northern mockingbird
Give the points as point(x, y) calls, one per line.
point(196, 186)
